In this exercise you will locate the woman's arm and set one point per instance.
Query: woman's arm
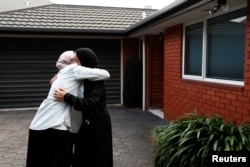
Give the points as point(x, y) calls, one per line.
point(53, 79)
point(93, 74)
point(94, 97)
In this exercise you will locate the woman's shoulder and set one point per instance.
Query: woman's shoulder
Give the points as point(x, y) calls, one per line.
point(70, 66)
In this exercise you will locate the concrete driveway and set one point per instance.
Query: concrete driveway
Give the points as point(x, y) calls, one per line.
point(131, 136)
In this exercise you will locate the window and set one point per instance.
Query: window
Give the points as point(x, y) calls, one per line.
point(214, 49)
point(193, 51)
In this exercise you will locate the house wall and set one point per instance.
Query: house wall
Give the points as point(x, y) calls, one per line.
point(154, 66)
point(130, 48)
point(184, 96)
point(154, 71)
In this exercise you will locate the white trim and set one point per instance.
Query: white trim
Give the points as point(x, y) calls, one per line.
point(194, 77)
point(229, 82)
point(183, 49)
point(204, 49)
point(143, 74)
point(159, 113)
point(121, 71)
point(211, 80)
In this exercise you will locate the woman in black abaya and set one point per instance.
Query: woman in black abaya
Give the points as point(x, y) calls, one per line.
point(93, 146)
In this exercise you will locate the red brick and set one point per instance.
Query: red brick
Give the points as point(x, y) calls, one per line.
point(247, 74)
point(215, 98)
point(220, 94)
point(211, 92)
point(246, 118)
point(224, 112)
point(237, 103)
point(243, 99)
point(243, 111)
point(231, 108)
point(236, 115)
point(206, 96)
point(230, 119)
point(220, 105)
point(231, 96)
point(225, 101)
point(246, 106)
point(215, 109)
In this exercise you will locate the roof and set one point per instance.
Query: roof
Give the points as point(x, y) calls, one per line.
point(72, 18)
point(96, 20)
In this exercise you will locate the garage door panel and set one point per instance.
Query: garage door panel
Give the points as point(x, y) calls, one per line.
point(27, 65)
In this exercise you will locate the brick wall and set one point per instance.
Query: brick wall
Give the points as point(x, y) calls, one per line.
point(184, 96)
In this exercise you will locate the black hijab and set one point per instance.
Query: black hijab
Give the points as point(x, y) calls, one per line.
point(87, 57)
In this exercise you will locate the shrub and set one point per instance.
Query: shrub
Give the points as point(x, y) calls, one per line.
point(132, 93)
point(187, 141)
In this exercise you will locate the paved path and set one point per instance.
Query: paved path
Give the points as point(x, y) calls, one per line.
point(131, 137)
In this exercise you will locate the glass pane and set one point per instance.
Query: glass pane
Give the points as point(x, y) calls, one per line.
point(193, 49)
point(226, 46)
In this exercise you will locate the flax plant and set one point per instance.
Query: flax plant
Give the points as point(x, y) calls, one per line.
point(187, 141)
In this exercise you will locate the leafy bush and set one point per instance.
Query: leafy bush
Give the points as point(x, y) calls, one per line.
point(132, 93)
point(187, 141)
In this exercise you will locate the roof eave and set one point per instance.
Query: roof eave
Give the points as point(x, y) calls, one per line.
point(58, 31)
point(165, 14)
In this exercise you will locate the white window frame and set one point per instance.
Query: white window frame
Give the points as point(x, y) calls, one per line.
point(204, 53)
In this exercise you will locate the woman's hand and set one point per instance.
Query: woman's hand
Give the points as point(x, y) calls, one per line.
point(53, 79)
point(59, 94)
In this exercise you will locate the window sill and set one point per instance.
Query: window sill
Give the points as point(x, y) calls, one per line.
point(215, 85)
